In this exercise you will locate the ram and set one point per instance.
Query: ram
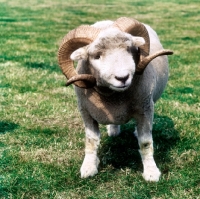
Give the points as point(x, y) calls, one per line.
point(122, 70)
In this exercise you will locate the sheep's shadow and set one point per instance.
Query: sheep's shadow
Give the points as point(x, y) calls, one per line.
point(6, 126)
point(122, 151)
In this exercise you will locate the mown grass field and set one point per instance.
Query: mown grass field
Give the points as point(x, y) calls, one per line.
point(41, 131)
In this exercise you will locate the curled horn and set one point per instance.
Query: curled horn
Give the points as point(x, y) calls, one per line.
point(136, 28)
point(143, 63)
point(77, 38)
point(84, 35)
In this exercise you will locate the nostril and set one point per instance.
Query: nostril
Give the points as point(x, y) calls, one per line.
point(122, 79)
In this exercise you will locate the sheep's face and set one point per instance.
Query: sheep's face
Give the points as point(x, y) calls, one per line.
point(112, 58)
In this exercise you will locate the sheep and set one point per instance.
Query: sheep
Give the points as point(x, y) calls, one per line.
point(122, 71)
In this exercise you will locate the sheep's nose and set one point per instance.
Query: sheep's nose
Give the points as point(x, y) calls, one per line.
point(122, 79)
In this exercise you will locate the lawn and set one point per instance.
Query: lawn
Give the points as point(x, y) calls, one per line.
point(41, 131)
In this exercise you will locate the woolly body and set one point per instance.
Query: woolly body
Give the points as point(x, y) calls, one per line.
point(120, 94)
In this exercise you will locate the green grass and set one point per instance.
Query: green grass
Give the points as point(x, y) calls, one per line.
point(41, 131)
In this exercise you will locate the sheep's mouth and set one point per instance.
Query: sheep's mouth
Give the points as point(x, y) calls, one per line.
point(119, 88)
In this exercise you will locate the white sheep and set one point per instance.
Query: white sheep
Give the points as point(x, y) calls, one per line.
point(117, 79)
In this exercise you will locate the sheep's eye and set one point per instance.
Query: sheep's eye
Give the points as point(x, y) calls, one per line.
point(97, 56)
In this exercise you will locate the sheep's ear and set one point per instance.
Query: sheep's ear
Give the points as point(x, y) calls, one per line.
point(138, 41)
point(79, 54)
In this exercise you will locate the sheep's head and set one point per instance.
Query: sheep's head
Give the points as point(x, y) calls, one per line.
point(111, 58)
point(115, 59)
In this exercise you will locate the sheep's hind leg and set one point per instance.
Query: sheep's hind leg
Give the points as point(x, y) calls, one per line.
point(91, 161)
point(135, 133)
point(113, 130)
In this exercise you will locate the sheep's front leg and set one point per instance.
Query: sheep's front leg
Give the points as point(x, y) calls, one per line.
point(150, 170)
point(145, 141)
point(92, 140)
